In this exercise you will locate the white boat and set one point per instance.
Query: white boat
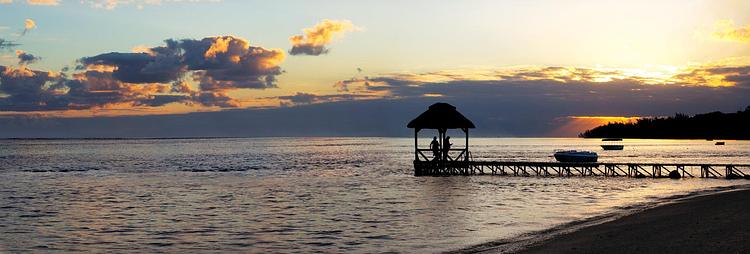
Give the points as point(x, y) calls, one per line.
point(576, 156)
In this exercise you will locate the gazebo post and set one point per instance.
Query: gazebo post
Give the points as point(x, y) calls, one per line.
point(466, 152)
point(441, 136)
point(416, 145)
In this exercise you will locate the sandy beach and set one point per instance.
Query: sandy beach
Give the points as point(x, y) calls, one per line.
point(713, 223)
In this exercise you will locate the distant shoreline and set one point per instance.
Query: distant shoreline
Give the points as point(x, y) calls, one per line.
point(584, 236)
point(714, 125)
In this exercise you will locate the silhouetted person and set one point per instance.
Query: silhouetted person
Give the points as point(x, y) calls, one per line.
point(446, 146)
point(435, 147)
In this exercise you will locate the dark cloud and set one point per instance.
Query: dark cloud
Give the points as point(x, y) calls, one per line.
point(219, 99)
point(32, 90)
point(307, 49)
point(230, 60)
point(25, 58)
point(27, 90)
point(6, 44)
point(148, 79)
point(139, 67)
point(309, 98)
point(217, 64)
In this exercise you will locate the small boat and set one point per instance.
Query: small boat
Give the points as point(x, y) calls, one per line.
point(613, 147)
point(720, 143)
point(576, 156)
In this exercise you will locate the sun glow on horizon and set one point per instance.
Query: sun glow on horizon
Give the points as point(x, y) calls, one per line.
point(571, 126)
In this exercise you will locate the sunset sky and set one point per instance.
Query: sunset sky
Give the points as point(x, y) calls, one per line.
point(521, 68)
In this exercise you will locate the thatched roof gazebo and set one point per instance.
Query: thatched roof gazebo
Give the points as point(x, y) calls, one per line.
point(441, 117)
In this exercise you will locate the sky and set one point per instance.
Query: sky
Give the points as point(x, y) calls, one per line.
point(521, 68)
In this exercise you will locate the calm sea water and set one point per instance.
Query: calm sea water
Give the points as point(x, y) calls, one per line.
point(291, 195)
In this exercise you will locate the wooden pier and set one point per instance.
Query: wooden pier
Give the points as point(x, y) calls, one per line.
point(441, 159)
point(562, 169)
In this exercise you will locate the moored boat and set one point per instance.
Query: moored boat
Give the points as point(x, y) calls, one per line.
point(576, 156)
point(613, 147)
point(720, 143)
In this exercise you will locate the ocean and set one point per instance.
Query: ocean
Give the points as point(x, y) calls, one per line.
point(292, 195)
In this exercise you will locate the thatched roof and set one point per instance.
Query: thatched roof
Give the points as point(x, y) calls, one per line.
point(441, 116)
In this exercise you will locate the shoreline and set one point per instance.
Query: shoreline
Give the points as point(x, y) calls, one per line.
point(582, 236)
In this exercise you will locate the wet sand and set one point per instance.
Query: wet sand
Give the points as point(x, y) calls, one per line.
point(715, 223)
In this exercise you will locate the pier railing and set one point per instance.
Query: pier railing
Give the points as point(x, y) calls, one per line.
point(462, 154)
point(567, 169)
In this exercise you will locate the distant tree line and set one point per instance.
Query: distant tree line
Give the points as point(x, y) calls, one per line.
point(715, 125)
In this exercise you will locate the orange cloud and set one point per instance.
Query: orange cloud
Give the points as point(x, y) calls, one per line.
point(20, 72)
point(43, 2)
point(221, 45)
point(29, 24)
point(315, 39)
point(726, 30)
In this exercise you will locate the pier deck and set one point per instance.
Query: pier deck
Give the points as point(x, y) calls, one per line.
point(565, 169)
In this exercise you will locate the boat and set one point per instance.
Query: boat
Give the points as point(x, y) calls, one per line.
point(576, 156)
point(720, 143)
point(613, 147)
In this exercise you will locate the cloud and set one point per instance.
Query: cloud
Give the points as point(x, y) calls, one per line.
point(32, 90)
point(301, 98)
point(43, 2)
point(26, 58)
point(726, 30)
point(109, 4)
point(27, 26)
point(546, 97)
point(229, 62)
point(548, 93)
point(151, 79)
point(219, 99)
point(5, 44)
point(410, 84)
point(217, 64)
point(139, 67)
point(315, 39)
point(27, 89)
point(140, 4)
point(518, 101)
